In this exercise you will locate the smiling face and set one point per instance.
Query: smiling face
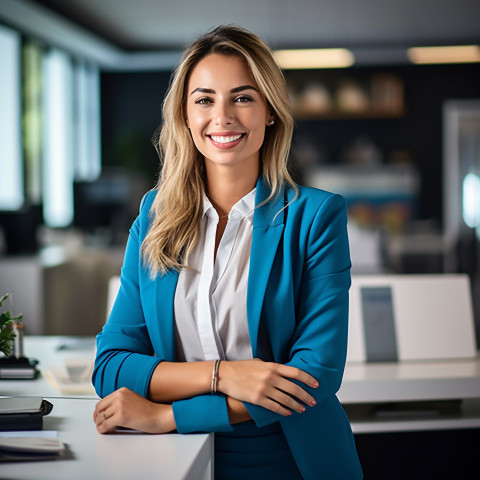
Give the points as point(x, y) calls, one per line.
point(226, 112)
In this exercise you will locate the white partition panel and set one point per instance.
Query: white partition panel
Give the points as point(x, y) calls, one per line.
point(432, 317)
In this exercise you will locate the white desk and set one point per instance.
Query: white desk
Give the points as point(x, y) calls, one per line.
point(426, 381)
point(363, 384)
point(119, 456)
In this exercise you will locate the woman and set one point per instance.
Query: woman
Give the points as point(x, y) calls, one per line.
point(232, 312)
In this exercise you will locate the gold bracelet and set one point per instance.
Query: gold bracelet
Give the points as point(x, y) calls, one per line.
point(213, 385)
point(216, 375)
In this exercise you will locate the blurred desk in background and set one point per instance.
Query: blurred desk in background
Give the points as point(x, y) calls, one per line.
point(53, 354)
point(412, 396)
point(61, 290)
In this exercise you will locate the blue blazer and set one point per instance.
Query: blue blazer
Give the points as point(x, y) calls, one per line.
point(297, 306)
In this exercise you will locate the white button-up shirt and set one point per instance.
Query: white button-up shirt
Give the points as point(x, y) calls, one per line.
point(211, 297)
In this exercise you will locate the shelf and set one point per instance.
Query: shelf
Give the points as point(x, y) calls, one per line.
point(467, 417)
point(347, 96)
point(341, 115)
point(410, 381)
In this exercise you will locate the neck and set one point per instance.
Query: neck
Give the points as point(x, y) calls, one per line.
point(226, 187)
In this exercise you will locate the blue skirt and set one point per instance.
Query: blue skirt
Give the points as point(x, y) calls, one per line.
point(254, 453)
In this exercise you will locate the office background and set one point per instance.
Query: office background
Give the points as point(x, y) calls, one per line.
point(81, 89)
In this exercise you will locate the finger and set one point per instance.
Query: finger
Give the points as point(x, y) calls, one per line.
point(296, 391)
point(275, 407)
point(297, 374)
point(287, 401)
point(103, 415)
point(98, 410)
point(99, 418)
point(107, 425)
point(101, 406)
point(108, 421)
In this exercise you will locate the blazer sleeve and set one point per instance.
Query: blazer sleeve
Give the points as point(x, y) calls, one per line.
point(319, 346)
point(124, 355)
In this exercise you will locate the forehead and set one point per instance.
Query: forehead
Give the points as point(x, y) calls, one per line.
point(217, 71)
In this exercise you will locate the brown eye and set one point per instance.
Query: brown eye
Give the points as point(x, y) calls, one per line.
point(203, 101)
point(243, 99)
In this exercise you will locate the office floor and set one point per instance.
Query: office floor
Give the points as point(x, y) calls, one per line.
point(435, 455)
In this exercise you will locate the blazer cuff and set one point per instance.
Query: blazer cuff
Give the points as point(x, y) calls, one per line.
point(260, 415)
point(204, 413)
point(263, 417)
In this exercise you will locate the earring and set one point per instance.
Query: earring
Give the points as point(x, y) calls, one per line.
point(271, 122)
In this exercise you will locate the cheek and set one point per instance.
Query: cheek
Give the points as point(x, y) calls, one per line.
point(197, 124)
point(196, 127)
point(259, 130)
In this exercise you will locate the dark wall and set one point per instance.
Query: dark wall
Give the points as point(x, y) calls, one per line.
point(439, 455)
point(131, 112)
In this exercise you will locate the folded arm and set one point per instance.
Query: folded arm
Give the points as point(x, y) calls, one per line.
point(319, 346)
point(266, 392)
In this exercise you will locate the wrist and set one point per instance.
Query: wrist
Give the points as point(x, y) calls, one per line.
point(171, 425)
point(221, 376)
point(165, 419)
point(214, 381)
point(237, 412)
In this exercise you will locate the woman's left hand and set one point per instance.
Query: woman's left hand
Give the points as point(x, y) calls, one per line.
point(125, 408)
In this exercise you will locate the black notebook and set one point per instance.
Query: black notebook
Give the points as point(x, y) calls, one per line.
point(22, 368)
point(23, 413)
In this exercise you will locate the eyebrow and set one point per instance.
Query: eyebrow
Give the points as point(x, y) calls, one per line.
point(241, 88)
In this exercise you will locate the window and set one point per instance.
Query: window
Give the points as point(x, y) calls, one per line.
point(49, 126)
point(58, 139)
point(11, 170)
point(87, 122)
point(32, 120)
point(71, 132)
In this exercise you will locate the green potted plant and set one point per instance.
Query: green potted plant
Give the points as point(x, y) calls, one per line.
point(7, 330)
point(14, 365)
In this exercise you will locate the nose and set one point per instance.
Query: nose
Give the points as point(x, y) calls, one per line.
point(223, 114)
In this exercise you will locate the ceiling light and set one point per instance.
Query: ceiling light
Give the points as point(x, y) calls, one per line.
point(449, 54)
point(314, 58)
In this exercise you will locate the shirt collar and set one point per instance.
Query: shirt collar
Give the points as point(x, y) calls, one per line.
point(242, 209)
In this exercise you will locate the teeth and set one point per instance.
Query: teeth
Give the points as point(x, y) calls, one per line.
point(223, 139)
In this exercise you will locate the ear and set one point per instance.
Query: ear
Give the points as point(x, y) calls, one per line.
point(270, 119)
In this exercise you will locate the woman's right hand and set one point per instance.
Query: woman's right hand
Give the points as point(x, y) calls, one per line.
point(266, 384)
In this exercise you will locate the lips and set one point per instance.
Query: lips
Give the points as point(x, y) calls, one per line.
point(226, 141)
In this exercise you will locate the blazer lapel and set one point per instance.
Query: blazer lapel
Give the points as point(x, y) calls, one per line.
point(268, 225)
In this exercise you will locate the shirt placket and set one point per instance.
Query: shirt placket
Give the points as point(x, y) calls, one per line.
point(205, 323)
point(225, 249)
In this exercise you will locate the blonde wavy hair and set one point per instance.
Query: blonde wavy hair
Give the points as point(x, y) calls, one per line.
point(176, 210)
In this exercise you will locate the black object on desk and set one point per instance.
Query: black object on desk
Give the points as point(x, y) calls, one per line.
point(23, 413)
point(22, 368)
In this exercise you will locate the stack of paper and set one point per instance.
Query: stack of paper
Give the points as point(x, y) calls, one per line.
point(22, 368)
point(34, 445)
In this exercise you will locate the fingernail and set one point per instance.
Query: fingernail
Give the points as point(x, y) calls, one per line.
point(312, 403)
point(302, 409)
point(315, 384)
